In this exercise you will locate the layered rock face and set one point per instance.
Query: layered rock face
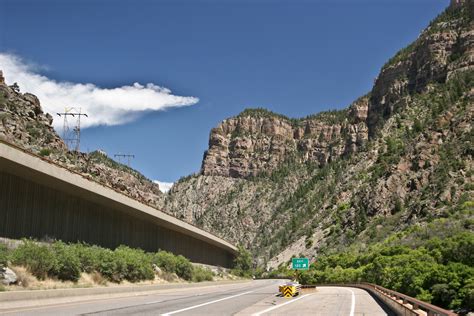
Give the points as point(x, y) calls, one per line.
point(258, 140)
point(442, 50)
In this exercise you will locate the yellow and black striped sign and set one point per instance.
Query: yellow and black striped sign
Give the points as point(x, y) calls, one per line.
point(288, 290)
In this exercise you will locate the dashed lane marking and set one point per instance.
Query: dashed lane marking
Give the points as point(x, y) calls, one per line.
point(204, 304)
point(281, 305)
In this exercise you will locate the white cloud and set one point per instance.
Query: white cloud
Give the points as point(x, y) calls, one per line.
point(164, 186)
point(104, 106)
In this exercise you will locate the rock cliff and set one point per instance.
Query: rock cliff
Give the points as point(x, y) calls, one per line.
point(258, 141)
point(442, 50)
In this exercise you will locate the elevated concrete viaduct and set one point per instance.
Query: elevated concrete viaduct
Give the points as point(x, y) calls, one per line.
point(39, 198)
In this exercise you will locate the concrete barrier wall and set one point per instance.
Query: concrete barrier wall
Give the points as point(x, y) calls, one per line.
point(39, 199)
point(29, 209)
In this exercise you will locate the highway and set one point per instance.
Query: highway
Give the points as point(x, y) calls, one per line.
point(250, 298)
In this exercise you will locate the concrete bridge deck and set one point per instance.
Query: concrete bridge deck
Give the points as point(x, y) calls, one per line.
point(39, 199)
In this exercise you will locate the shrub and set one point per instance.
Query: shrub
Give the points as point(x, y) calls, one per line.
point(442, 294)
point(3, 255)
point(45, 152)
point(165, 260)
point(137, 264)
point(3, 99)
point(88, 256)
point(184, 268)
point(111, 266)
point(243, 263)
point(67, 264)
point(202, 274)
point(38, 259)
point(417, 126)
point(468, 295)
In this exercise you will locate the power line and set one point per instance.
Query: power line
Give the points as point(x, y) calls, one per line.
point(127, 156)
point(72, 138)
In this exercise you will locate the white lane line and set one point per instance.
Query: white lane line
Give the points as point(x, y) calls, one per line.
point(204, 304)
point(353, 304)
point(278, 306)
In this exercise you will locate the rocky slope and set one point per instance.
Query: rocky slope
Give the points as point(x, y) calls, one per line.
point(24, 123)
point(396, 157)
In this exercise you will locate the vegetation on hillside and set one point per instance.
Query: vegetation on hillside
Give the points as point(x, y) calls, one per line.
point(97, 157)
point(331, 116)
point(66, 262)
point(432, 262)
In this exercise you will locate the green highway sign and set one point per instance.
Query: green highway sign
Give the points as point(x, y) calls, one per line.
point(300, 263)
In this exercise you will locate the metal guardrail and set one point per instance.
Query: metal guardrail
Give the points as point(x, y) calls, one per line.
point(403, 300)
point(416, 304)
point(89, 178)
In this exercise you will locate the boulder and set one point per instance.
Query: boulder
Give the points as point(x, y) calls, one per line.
point(7, 276)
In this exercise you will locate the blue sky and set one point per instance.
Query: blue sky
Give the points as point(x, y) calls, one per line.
point(294, 57)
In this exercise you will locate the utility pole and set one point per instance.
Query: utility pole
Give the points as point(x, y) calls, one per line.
point(72, 138)
point(127, 156)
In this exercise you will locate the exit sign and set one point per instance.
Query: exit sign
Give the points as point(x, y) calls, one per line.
point(300, 263)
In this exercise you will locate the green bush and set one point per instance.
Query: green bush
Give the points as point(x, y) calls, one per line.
point(67, 264)
point(45, 152)
point(38, 259)
point(184, 268)
point(137, 264)
point(202, 274)
point(111, 266)
point(3, 255)
point(243, 263)
point(174, 264)
point(88, 256)
point(166, 261)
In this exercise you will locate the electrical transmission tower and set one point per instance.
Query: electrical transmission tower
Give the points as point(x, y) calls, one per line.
point(72, 138)
point(125, 156)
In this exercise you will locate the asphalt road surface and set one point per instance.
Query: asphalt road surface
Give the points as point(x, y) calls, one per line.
point(250, 298)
